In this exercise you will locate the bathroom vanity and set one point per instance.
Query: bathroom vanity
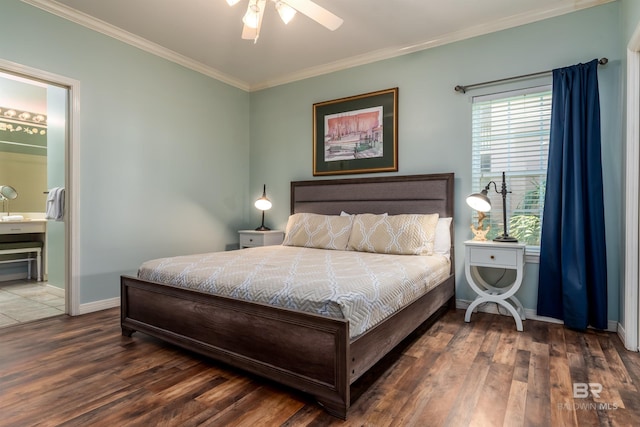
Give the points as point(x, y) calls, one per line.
point(24, 241)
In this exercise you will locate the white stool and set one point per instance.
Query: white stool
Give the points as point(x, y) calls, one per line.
point(28, 248)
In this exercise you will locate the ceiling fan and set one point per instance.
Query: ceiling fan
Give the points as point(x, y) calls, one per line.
point(286, 9)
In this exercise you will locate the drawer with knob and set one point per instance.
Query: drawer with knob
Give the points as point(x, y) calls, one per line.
point(252, 238)
point(492, 257)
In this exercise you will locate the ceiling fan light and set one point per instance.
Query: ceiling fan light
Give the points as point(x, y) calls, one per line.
point(252, 16)
point(232, 2)
point(285, 11)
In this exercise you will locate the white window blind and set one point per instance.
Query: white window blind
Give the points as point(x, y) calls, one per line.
point(511, 134)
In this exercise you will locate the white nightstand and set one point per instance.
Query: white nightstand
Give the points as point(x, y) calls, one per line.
point(253, 238)
point(496, 255)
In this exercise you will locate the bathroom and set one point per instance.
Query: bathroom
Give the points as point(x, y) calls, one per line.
point(32, 218)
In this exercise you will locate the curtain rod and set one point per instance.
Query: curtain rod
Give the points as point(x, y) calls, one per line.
point(464, 89)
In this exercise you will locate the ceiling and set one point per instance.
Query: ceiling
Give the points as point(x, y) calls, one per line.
point(205, 34)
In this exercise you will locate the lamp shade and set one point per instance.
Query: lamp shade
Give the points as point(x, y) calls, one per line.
point(479, 201)
point(252, 18)
point(263, 204)
point(285, 11)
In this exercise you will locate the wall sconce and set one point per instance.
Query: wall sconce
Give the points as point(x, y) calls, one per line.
point(263, 204)
point(480, 202)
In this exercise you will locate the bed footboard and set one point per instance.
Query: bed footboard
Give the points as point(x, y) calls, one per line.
point(304, 351)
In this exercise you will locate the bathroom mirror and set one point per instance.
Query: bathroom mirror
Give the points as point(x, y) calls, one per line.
point(24, 143)
point(8, 192)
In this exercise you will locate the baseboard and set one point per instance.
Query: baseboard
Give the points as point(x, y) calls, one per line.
point(612, 325)
point(59, 292)
point(104, 304)
point(622, 334)
point(6, 277)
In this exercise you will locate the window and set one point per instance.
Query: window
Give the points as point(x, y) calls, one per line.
point(511, 134)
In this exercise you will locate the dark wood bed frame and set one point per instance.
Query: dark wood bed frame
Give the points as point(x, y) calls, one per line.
point(308, 352)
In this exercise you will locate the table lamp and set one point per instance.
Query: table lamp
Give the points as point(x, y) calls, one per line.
point(480, 202)
point(263, 204)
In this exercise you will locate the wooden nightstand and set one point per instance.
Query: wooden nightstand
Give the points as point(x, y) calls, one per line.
point(253, 238)
point(495, 255)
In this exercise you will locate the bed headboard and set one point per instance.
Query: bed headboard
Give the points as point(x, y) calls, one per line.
point(414, 194)
point(391, 194)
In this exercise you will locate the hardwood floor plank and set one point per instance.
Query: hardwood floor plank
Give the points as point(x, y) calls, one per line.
point(538, 406)
point(262, 406)
point(516, 405)
point(619, 374)
point(579, 374)
point(81, 372)
point(506, 350)
point(462, 408)
point(458, 359)
point(521, 366)
point(562, 408)
point(491, 406)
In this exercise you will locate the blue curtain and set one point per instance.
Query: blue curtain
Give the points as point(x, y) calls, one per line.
point(573, 264)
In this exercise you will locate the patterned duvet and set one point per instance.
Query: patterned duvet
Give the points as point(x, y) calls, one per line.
point(359, 286)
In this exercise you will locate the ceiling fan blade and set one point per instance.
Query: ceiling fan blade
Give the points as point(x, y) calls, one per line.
point(319, 14)
point(249, 33)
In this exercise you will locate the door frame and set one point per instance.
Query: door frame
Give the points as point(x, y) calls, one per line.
point(631, 332)
point(72, 175)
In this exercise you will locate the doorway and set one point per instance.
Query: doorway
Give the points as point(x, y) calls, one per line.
point(37, 109)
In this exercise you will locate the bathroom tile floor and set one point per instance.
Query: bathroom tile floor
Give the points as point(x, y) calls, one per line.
point(26, 300)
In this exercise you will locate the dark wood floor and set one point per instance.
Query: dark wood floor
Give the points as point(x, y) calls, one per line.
point(81, 372)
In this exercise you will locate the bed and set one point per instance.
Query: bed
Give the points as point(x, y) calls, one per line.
point(317, 354)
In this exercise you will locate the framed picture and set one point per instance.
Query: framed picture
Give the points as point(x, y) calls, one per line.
point(358, 134)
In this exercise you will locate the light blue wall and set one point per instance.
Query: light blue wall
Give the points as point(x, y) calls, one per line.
point(434, 121)
point(164, 151)
point(631, 18)
point(170, 160)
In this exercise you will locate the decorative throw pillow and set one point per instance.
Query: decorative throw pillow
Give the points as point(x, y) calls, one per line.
point(408, 234)
point(318, 231)
point(442, 242)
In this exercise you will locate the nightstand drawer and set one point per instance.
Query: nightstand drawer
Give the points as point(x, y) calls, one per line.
point(253, 238)
point(490, 257)
point(248, 240)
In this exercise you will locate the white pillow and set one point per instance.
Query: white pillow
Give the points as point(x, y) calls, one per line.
point(442, 242)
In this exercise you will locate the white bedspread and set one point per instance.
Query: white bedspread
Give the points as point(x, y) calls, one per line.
point(361, 287)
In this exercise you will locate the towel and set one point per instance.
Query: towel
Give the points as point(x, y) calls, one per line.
point(55, 204)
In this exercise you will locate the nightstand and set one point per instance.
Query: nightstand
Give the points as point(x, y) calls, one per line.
point(253, 238)
point(495, 255)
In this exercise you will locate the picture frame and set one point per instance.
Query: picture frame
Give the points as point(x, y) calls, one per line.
point(356, 134)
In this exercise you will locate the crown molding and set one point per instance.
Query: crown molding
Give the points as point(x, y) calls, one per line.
point(117, 33)
point(107, 29)
point(479, 30)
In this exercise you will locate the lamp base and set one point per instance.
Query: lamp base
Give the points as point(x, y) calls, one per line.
point(263, 228)
point(505, 239)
